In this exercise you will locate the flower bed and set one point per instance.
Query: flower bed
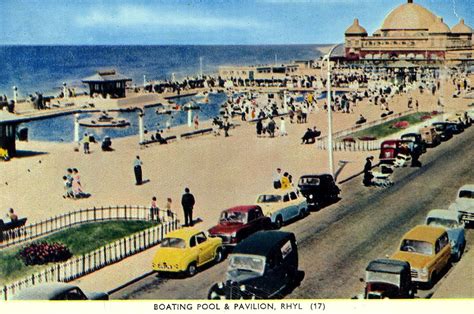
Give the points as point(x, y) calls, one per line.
point(43, 253)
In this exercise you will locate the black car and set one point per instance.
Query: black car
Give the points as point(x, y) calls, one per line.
point(416, 139)
point(318, 189)
point(444, 129)
point(260, 267)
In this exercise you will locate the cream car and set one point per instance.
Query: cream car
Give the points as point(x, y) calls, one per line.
point(283, 205)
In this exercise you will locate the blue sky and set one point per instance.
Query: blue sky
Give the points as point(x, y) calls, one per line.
point(91, 22)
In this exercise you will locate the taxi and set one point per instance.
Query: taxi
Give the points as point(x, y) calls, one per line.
point(186, 249)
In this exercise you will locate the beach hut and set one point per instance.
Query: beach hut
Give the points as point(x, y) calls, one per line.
point(107, 83)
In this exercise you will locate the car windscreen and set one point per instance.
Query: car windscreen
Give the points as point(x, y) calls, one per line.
point(466, 194)
point(443, 223)
point(234, 217)
point(416, 246)
point(174, 243)
point(309, 181)
point(269, 198)
point(250, 263)
point(371, 276)
point(389, 146)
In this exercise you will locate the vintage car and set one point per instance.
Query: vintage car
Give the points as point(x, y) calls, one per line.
point(450, 220)
point(415, 139)
point(388, 279)
point(464, 203)
point(186, 249)
point(237, 223)
point(318, 189)
point(260, 267)
point(445, 130)
point(389, 150)
point(283, 205)
point(430, 136)
point(428, 251)
point(57, 291)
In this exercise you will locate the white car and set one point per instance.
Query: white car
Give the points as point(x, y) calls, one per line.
point(282, 205)
point(464, 203)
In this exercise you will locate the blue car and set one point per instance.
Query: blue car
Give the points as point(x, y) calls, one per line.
point(450, 220)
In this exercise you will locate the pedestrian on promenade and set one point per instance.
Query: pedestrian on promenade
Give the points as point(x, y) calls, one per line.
point(367, 181)
point(285, 181)
point(259, 127)
point(187, 201)
point(85, 143)
point(417, 105)
point(76, 182)
point(154, 210)
point(11, 214)
point(137, 168)
point(226, 126)
point(196, 122)
point(169, 212)
point(283, 127)
point(271, 127)
point(277, 179)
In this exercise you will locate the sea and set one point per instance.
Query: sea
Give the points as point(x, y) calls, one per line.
point(45, 68)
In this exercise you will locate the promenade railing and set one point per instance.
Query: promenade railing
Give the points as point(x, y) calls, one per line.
point(78, 266)
point(357, 145)
point(66, 220)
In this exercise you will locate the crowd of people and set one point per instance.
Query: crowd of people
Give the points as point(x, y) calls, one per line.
point(72, 185)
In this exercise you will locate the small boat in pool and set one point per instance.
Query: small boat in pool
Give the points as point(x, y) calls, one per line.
point(191, 106)
point(104, 121)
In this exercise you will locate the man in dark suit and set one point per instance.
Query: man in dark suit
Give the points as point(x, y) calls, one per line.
point(187, 201)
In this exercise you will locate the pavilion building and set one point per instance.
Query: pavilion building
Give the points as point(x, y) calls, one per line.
point(109, 84)
point(413, 33)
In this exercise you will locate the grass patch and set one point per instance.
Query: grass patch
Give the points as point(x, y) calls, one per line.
point(80, 240)
point(386, 128)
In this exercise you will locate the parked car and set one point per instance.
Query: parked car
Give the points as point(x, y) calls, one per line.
point(283, 205)
point(260, 267)
point(428, 251)
point(237, 223)
point(415, 139)
point(430, 136)
point(318, 189)
point(388, 279)
point(186, 249)
point(444, 130)
point(449, 220)
point(389, 150)
point(57, 291)
point(464, 203)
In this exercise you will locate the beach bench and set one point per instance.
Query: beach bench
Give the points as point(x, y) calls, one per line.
point(197, 132)
point(168, 139)
point(8, 230)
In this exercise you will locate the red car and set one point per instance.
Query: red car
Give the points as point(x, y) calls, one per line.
point(391, 148)
point(237, 223)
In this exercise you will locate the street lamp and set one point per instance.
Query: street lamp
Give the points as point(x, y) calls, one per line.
point(328, 86)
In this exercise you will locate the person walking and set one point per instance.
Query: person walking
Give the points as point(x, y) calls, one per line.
point(11, 214)
point(169, 212)
point(137, 167)
point(283, 127)
point(277, 179)
point(187, 201)
point(85, 143)
point(154, 210)
point(367, 181)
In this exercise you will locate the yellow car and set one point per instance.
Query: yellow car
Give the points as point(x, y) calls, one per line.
point(185, 250)
point(428, 251)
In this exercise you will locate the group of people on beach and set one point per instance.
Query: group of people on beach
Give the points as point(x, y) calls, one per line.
point(187, 202)
point(72, 185)
point(282, 180)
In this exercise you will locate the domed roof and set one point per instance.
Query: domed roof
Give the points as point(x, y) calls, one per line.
point(461, 28)
point(439, 27)
point(409, 16)
point(356, 29)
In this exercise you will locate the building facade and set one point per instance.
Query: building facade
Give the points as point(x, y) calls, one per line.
point(411, 32)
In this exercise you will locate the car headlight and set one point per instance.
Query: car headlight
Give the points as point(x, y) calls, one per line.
point(424, 271)
point(242, 288)
point(233, 234)
point(311, 196)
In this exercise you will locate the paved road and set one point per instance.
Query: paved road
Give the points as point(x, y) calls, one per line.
point(336, 243)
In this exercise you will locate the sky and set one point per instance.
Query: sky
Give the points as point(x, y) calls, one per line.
point(200, 22)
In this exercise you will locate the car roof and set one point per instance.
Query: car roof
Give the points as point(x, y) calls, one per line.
point(243, 208)
point(469, 187)
point(44, 291)
point(424, 233)
point(443, 213)
point(183, 233)
point(391, 141)
point(316, 175)
point(263, 242)
point(410, 134)
point(388, 266)
point(279, 191)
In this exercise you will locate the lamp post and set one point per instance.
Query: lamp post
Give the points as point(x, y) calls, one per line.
point(328, 86)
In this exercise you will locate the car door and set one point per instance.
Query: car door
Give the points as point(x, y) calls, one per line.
point(251, 225)
point(275, 272)
point(205, 248)
point(295, 203)
point(287, 207)
point(444, 252)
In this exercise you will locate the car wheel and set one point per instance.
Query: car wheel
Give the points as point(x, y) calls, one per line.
point(458, 255)
point(219, 256)
point(302, 213)
point(278, 222)
point(191, 270)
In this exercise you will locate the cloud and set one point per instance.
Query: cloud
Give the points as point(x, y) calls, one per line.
point(133, 16)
